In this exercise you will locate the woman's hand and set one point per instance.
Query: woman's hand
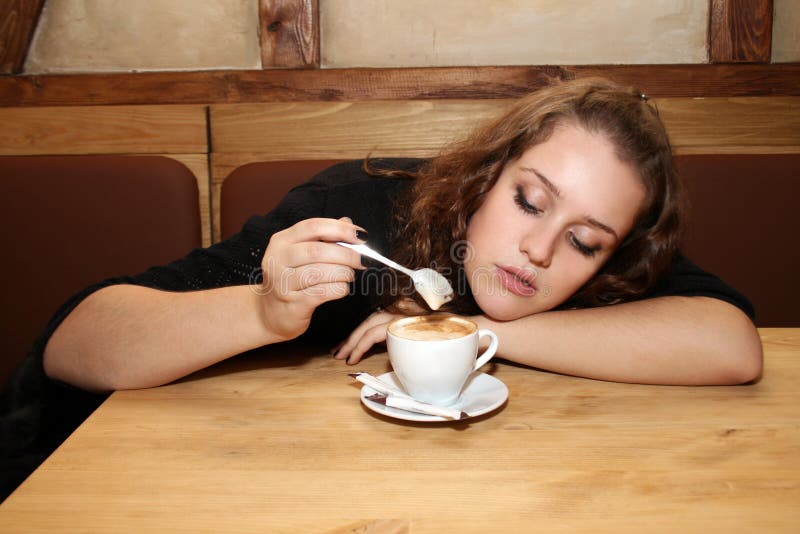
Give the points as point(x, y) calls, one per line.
point(367, 334)
point(302, 268)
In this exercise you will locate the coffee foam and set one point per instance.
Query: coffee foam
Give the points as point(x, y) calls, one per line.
point(432, 328)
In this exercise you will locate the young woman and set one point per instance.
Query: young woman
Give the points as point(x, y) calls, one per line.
point(558, 225)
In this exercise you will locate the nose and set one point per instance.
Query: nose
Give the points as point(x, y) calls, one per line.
point(539, 246)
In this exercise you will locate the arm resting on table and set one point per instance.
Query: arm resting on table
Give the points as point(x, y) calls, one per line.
point(664, 340)
point(130, 337)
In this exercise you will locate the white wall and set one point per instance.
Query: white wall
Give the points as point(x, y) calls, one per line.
point(144, 35)
point(786, 30)
point(126, 35)
point(388, 33)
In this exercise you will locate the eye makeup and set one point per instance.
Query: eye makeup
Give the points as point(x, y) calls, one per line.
point(584, 249)
point(527, 207)
point(523, 204)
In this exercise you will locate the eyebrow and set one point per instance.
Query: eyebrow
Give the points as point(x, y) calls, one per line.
point(557, 192)
point(546, 181)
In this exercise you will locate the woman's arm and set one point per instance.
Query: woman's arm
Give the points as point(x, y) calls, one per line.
point(128, 336)
point(664, 340)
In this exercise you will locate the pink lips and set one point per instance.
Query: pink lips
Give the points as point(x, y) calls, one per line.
point(518, 281)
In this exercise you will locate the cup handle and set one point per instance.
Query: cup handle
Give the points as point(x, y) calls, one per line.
point(489, 352)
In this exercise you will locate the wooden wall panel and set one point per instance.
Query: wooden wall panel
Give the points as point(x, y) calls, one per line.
point(320, 130)
point(289, 33)
point(740, 31)
point(732, 125)
point(293, 85)
point(198, 164)
point(103, 130)
point(18, 20)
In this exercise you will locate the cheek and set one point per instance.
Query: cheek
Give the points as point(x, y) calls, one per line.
point(575, 273)
point(478, 229)
point(493, 222)
point(578, 273)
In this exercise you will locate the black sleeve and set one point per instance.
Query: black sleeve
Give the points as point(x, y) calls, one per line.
point(688, 280)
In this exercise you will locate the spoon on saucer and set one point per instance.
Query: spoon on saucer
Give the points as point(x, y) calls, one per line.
point(432, 286)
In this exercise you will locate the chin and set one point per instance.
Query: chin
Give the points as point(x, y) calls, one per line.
point(503, 310)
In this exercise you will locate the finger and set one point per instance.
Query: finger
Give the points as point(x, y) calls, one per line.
point(344, 348)
point(323, 229)
point(315, 252)
point(322, 293)
point(376, 334)
point(309, 276)
point(347, 346)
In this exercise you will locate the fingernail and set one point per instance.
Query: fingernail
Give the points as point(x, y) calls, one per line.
point(362, 235)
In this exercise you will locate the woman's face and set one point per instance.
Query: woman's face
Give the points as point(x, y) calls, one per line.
point(550, 222)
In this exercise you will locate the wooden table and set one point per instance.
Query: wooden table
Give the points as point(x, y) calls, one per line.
point(280, 442)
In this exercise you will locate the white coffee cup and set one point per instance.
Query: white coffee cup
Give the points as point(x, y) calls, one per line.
point(433, 355)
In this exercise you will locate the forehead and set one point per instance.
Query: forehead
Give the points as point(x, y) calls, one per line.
point(587, 172)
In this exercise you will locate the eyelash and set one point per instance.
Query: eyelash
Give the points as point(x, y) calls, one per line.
point(524, 205)
point(589, 252)
point(527, 207)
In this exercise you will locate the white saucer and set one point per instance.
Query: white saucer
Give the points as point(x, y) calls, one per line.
point(481, 394)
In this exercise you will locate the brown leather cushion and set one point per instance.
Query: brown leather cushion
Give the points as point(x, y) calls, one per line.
point(743, 227)
point(256, 188)
point(69, 221)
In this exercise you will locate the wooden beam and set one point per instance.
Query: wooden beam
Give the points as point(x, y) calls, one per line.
point(418, 128)
point(103, 130)
point(18, 20)
point(289, 31)
point(210, 87)
point(740, 31)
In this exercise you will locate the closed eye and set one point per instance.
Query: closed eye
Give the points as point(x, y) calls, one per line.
point(524, 205)
point(582, 248)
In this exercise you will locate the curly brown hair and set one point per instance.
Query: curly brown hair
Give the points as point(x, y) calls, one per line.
point(449, 188)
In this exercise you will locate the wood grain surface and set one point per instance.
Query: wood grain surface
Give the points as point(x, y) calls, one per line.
point(289, 33)
point(319, 130)
point(740, 31)
point(277, 441)
point(18, 20)
point(310, 130)
point(103, 130)
point(198, 164)
point(290, 85)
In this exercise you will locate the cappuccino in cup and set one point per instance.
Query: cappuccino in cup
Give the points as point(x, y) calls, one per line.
point(432, 328)
point(433, 355)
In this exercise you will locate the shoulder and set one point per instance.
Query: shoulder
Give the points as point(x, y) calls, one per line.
point(689, 280)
